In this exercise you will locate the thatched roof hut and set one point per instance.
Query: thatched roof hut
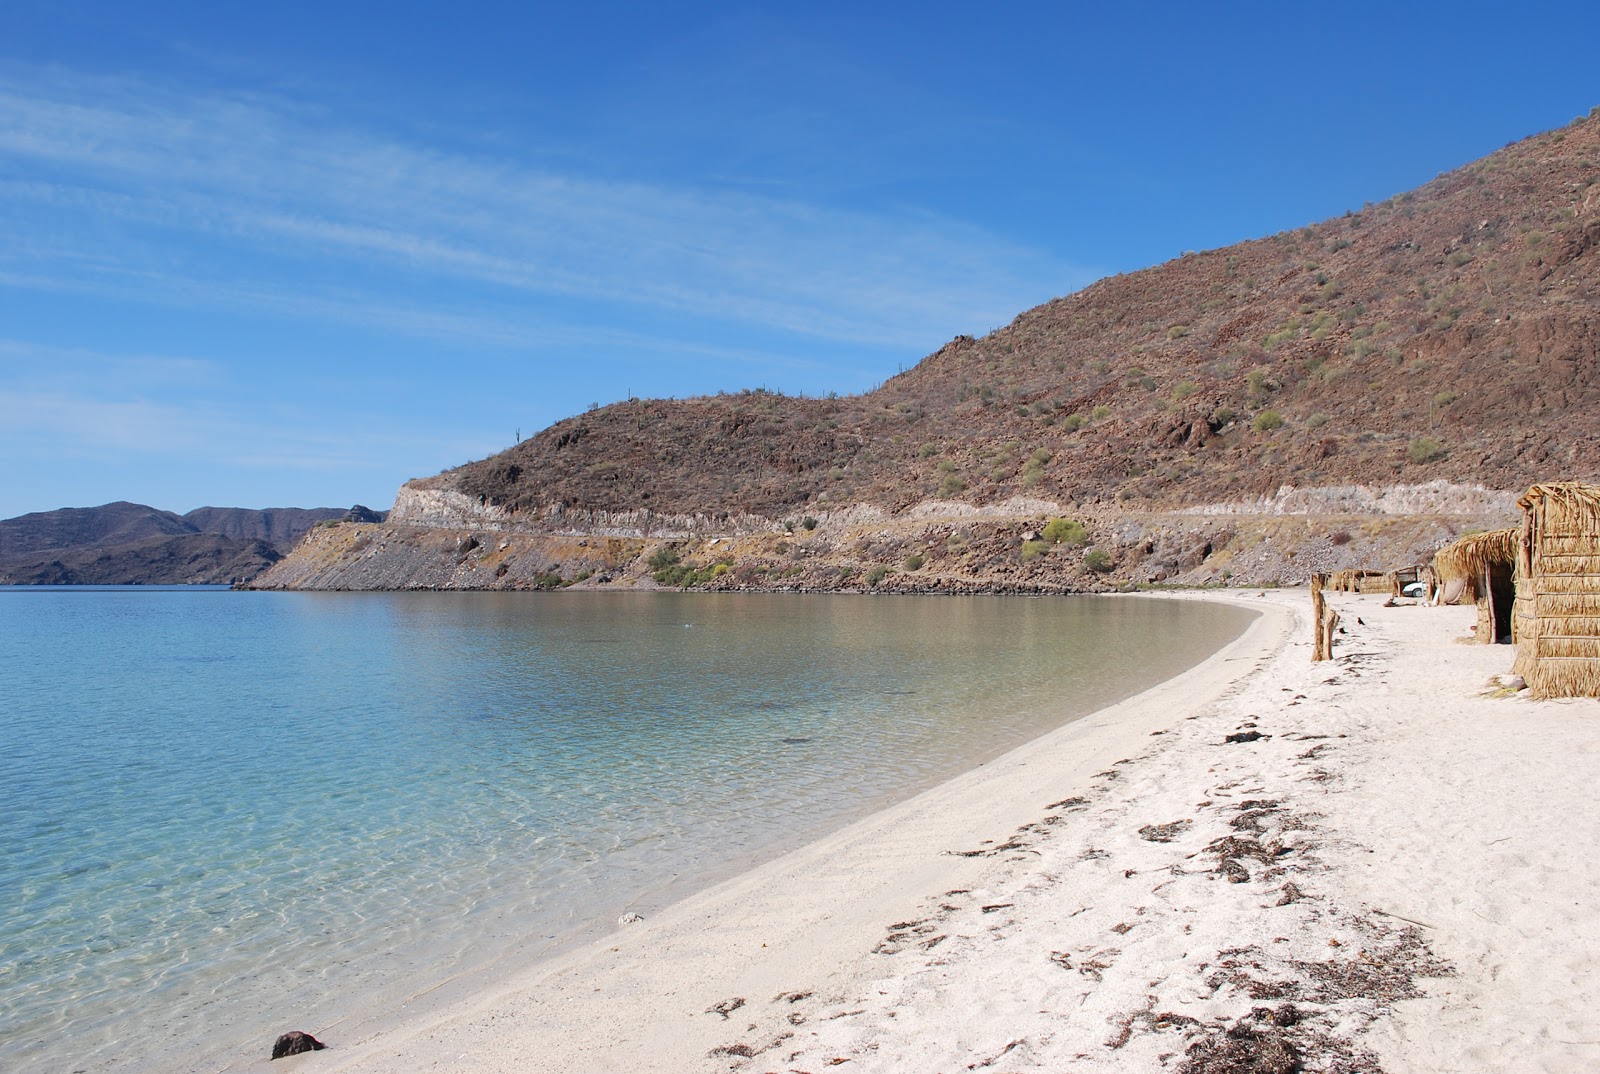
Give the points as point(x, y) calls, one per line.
point(1401, 577)
point(1357, 580)
point(1558, 590)
point(1479, 569)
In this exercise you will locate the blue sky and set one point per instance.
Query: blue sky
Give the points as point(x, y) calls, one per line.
point(292, 254)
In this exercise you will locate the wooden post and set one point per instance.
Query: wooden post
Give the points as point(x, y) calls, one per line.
point(1324, 620)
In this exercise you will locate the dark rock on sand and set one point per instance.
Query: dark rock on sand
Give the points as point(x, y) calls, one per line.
point(295, 1042)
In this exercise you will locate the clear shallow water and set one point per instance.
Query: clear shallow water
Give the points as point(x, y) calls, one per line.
point(224, 815)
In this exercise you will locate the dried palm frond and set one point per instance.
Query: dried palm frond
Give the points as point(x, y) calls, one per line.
point(1558, 590)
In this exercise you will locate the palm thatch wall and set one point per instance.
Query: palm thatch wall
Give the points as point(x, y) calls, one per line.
point(1558, 590)
point(1478, 569)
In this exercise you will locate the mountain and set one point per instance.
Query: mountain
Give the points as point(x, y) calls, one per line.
point(1447, 338)
point(131, 544)
point(73, 527)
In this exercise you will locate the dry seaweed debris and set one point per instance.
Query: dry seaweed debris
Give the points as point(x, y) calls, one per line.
point(1164, 833)
point(1295, 1036)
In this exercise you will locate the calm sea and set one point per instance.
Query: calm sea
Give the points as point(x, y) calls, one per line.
point(225, 815)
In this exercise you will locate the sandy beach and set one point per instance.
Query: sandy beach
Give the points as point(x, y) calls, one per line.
point(1377, 862)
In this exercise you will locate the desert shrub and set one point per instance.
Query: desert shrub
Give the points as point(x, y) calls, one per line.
point(1424, 449)
point(1183, 389)
point(1065, 531)
point(672, 575)
point(951, 485)
point(1340, 537)
point(1033, 469)
point(1100, 412)
point(1316, 421)
point(927, 450)
point(1033, 550)
point(1073, 422)
point(914, 561)
point(662, 558)
point(1177, 331)
point(875, 575)
point(1268, 420)
point(809, 523)
point(1097, 560)
point(1223, 415)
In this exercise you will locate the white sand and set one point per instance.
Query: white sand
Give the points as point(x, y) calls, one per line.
point(1395, 791)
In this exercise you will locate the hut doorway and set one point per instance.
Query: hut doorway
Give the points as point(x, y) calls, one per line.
point(1502, 595)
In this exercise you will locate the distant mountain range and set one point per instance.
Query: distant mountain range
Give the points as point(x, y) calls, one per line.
point(132, 544)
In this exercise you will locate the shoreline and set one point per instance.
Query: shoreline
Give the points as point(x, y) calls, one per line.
point(885, 859)
point(1362, 864)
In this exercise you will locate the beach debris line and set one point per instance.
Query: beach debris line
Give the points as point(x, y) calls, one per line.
point(1243, 1048)
point(294, 1042)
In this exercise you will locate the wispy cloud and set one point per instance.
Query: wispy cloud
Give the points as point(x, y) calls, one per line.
point(82, 404)
point(113, 182)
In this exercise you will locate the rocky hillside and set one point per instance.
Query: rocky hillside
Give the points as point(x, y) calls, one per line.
point(1447, 338)
point(132, 544)
point(1449, 332)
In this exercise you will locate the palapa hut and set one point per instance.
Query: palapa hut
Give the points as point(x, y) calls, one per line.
point(1356, 580)
point(1479, 568)
point(1558, 590)
point(1401, 577)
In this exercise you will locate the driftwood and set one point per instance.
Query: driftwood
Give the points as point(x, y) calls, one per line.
point(1324, 620)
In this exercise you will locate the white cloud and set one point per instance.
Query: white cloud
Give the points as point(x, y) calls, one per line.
point(128, 182)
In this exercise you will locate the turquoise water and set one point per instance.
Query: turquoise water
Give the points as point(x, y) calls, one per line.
point(224, 815)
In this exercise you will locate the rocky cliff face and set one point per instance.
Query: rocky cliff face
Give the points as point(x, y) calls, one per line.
point(991, 549)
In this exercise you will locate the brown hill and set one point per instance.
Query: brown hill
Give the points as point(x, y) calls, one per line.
point(1451, 332)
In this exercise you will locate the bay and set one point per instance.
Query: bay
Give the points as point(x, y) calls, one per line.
point(224, 815)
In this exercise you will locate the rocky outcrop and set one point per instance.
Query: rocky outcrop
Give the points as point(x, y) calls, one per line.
point(861, 550)
point(427, 504)
point(1433, 498)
